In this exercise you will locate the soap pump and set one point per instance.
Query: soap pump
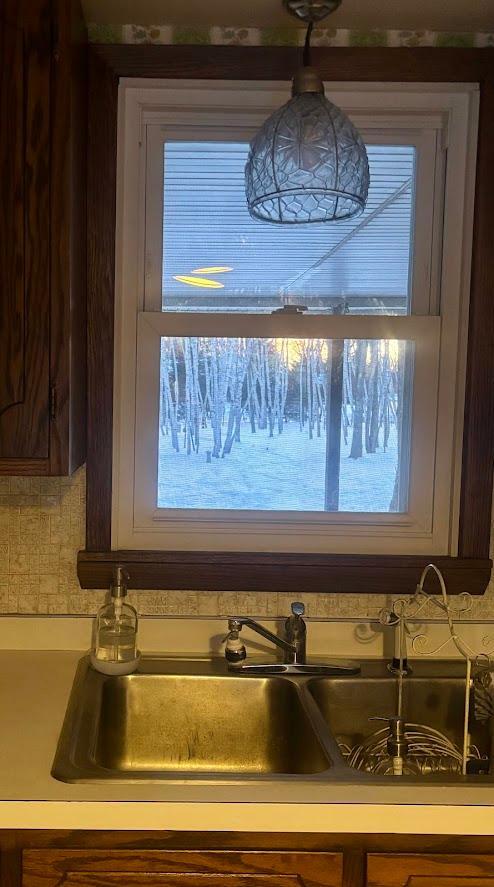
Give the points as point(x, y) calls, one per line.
point(396, 762)
point(114, 649)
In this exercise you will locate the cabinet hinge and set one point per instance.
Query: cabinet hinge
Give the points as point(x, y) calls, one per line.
point(53, 402)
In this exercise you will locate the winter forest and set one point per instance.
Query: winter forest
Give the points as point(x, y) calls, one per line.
point(282, 424)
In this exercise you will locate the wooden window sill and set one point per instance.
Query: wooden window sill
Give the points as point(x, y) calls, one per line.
point(254, 571)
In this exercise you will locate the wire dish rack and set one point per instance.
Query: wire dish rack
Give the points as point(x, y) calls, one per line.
point(429, 752)
point(418, 749)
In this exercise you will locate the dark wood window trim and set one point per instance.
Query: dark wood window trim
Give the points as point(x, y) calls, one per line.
point(258, 571)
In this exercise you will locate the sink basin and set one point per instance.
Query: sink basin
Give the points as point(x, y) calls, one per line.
point(163, 724)
point(193, 720)
point(437, 701)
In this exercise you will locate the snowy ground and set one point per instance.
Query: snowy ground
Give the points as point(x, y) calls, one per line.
point(282, 473)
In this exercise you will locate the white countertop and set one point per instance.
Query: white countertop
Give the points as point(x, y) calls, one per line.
point(34, 690)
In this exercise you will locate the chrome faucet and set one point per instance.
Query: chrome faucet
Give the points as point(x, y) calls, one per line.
point(293, 643)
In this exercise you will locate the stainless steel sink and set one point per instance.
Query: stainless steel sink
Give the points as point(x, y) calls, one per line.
point(191, 719)
point(170, 722)
point(349, 706)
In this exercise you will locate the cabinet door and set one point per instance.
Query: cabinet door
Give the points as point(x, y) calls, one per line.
point(24, 230)
point(11, 214)
point(167, 868)
point(430, 870)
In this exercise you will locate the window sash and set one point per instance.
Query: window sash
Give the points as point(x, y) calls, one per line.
point(182, 528)
point(424, 261)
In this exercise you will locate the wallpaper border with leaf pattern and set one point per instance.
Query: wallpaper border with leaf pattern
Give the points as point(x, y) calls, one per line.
point(221, 35)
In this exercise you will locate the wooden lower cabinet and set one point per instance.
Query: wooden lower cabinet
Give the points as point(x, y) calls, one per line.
point(46, 858)
point(166, 868)
point(430, 870)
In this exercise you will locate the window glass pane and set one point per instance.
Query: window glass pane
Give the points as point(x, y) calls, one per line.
point(216, 258)
point(284, 424)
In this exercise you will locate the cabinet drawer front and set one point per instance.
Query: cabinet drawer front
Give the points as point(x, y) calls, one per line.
point(430, 870)
point(189, 868)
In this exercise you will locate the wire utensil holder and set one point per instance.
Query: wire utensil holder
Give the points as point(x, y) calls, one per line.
point(404, 610)
point(427, 750)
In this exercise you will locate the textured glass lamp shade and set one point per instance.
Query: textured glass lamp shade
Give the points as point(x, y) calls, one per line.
point(307, 163)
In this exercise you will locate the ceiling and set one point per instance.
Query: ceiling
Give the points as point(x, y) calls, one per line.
point(435, 15)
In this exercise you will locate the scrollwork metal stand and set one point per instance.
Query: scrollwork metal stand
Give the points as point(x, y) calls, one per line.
point(403, 610)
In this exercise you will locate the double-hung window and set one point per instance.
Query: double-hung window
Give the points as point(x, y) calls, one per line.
point(290, 388)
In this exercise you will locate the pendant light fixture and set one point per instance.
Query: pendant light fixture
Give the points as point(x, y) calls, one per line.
point(308, 162)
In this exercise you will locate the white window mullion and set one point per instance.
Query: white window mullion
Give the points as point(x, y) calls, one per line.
point(296, 326)
point(166, 528)
point(153, 234)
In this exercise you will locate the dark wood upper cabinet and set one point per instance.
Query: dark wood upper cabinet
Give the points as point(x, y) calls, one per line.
point(42, 237)
point(11, 216)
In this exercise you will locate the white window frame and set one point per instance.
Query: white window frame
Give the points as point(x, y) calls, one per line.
point(440, 118)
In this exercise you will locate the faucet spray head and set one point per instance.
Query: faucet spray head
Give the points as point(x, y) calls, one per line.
point(234, 648)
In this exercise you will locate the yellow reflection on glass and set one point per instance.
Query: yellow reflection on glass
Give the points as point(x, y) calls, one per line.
point(217, 269)
point(199, 281)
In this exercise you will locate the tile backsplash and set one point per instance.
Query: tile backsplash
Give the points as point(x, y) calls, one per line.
point(42, 527)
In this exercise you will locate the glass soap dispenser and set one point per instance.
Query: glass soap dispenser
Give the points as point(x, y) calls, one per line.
point(114, 649)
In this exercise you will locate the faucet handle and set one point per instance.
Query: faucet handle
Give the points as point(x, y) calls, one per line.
point(298, 608)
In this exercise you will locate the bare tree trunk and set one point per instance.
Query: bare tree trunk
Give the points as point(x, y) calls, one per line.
point(252, 402)
point(269, 396)
point(171, 411)
point(261, 382)
point(284, 386)
point(191, 426)
point(372, 417)
point(164, 406)
point(236, 389)
point(231, 418)
point(386, 397)
point(334, 393)
point(216, 409)
point(309, 393)
point(403, 388)
point(315, 394)
point(358, 400)
point(301, 389)
point(346, 398)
